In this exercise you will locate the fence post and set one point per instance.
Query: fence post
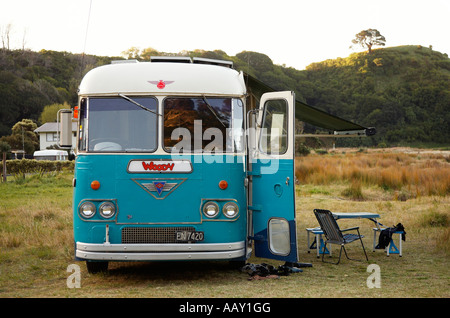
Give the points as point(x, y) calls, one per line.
point(4, 148)
point(4, 167)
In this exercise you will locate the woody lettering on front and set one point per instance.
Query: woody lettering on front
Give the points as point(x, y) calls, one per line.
point(155, 167)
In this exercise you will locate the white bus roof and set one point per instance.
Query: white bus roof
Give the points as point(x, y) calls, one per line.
point(163, 78)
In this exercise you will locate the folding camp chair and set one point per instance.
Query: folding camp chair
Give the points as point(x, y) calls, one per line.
point(334, 235)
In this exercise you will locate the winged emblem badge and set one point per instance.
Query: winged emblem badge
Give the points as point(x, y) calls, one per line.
point(159, 188)
point(161, 84)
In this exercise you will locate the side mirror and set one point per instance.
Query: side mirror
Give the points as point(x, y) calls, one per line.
point(252, 123)
point(65, 127)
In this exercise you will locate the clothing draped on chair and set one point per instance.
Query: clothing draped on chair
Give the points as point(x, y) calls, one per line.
point(386, 235)
point(334, 235)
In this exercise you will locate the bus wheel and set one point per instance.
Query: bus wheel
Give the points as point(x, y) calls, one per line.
point(236, 264)
point(96, 267)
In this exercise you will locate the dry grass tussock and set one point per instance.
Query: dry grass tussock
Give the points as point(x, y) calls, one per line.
point(404, 175)
point(42, 225)
point(36, 212)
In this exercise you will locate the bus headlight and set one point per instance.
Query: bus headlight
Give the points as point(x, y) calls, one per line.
point(87, 210)
point(107, 210)
point(210, 209)
point(230, 210)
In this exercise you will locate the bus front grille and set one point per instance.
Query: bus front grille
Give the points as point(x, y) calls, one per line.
point(149, 235)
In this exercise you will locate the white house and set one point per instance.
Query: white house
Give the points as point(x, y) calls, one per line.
point(48, 134)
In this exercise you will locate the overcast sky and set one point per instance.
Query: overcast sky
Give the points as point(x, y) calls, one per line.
point(291, 32)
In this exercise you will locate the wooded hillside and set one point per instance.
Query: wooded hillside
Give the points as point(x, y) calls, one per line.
point(402, 91)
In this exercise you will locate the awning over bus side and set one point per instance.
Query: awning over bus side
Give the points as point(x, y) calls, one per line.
point(311, 115)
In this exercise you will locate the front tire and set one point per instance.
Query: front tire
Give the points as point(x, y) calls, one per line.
point(236, 264)
point(96, 267)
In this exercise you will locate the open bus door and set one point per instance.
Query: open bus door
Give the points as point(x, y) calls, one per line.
point(271, 178)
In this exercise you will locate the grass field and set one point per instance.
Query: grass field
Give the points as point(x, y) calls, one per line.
point(36, 240)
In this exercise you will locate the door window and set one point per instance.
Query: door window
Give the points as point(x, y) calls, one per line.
point(274, 128)
point(279, 238)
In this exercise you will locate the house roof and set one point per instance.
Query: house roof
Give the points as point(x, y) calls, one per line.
point(53, 127)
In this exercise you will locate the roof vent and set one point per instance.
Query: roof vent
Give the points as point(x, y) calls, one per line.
point(200, 60)
point(124, 61)
point(171, 59)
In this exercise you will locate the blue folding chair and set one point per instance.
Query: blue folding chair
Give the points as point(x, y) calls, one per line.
point(334, 235)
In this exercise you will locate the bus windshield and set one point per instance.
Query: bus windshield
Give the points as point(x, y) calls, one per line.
point(117, 125)
point(202, 124)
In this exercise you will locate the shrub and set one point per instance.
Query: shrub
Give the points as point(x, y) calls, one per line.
point(435, 219)
point(302, 149)
point(354, 192)
point(20, 167)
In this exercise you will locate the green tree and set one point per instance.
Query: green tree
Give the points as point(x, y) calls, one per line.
point(259, 62)
point(147, 53)
point(50, 112)
point(23, 136)
point(368, 38)
point(132, 53)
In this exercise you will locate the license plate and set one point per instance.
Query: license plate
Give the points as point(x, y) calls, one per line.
point(190, 236)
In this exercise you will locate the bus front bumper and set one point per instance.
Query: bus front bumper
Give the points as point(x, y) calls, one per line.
point(149, 252)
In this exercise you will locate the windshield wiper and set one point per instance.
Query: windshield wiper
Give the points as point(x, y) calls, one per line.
point(213, 111)
point(139, 105)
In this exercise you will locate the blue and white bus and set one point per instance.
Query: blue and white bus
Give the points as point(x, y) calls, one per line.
point(176, 161)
